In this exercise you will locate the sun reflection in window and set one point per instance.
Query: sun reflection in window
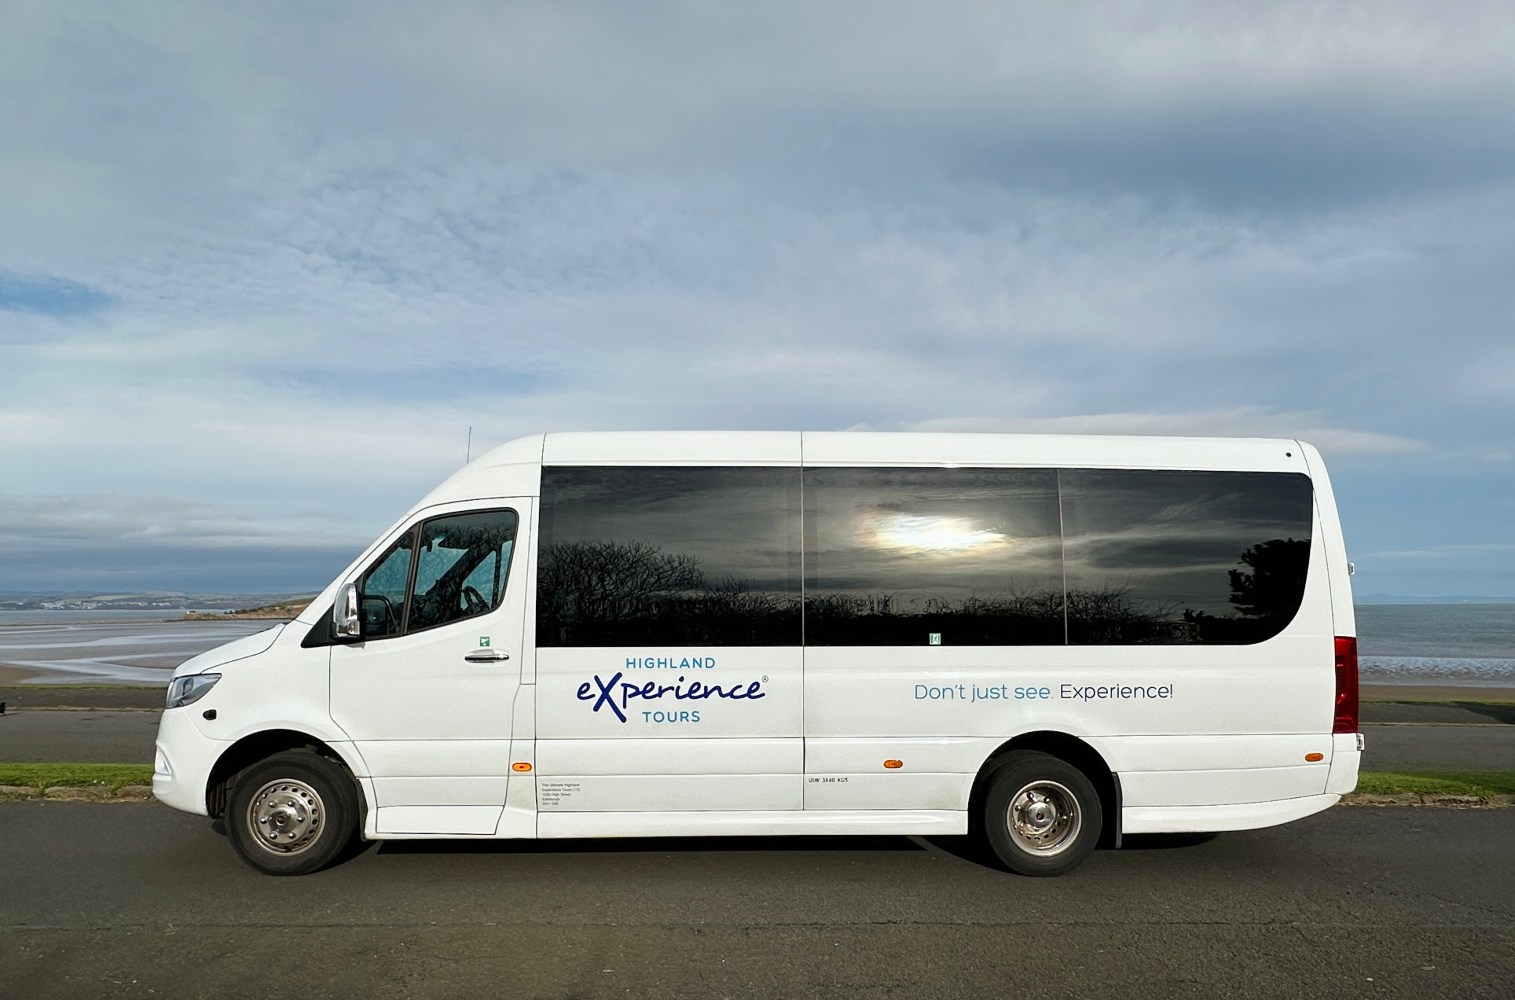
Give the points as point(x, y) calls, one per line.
point(918, 533)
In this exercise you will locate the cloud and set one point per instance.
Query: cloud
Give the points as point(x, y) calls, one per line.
point(167, 521)
point(1445, 551)
point(65, 543)
point(282, 262)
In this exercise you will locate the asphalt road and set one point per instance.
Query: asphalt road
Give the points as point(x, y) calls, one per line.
point(1405, 747)
point(138, 901)
point(1452, 739)
point(33, 737)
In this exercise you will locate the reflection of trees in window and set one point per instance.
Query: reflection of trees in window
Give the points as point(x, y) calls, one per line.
point(1183, 557)
point(1272, 588)
point(894, 556)
point(710, 556)
point(1114, 615)
point(1266, 595)
point(608, 593)
point(873, 619)
point(665, 555)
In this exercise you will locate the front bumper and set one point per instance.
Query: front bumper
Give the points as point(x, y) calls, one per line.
point(182, 761)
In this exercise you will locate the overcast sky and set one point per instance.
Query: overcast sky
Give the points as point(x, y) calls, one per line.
point(262, 266)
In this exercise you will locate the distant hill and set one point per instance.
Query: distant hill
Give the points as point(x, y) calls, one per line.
point(165, 601)
point(280, 610)
point(1443, 599)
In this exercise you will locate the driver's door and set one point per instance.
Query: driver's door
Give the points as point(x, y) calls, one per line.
point(427, 693)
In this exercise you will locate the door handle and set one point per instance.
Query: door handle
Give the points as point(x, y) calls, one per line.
point(487, 656)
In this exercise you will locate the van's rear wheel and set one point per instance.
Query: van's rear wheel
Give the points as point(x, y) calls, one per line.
point(1041, 814)
point(292, 813)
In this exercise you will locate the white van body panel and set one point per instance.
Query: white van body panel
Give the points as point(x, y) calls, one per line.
point(212, 659)
point(281, 689)
point(1218, 819)
point(1333, 542)
point(562, 741)
point(749, 823)
point(634, 751)
point(436, 741)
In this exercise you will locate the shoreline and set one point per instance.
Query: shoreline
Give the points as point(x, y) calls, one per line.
point(24, 677)
point(1434, 691)
point(166, 619)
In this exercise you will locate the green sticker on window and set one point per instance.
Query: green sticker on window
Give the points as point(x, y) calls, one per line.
point(935, 639)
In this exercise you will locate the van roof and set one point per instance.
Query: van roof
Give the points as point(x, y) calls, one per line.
point(909, 448)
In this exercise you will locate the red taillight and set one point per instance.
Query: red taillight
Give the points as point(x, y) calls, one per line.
point(1346, 685)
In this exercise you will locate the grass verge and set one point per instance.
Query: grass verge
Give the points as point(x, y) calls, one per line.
point(112, 776)
point(1483, 784)
point(1473, 703)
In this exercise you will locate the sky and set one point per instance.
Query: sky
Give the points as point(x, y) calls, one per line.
point(263, 267)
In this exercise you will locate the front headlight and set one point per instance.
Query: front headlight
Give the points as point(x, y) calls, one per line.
point(188, 690)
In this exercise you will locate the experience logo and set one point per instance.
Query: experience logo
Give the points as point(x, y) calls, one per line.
point(618, 694)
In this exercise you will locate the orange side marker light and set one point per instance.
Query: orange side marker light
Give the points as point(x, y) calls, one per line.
point(520, 766)
point(1313, 757)
point(894, 765)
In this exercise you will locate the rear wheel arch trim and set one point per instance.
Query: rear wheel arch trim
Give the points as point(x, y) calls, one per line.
point(1073, 750)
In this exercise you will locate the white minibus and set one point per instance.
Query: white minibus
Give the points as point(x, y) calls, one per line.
point(1052, 641)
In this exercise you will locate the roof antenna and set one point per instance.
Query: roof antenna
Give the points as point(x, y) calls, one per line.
point(469, 456)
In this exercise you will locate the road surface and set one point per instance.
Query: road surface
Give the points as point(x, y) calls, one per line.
point(138, 901)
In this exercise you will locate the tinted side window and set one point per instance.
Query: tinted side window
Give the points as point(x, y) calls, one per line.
point(1184, 557)
point(687, 556)
point(914, 556)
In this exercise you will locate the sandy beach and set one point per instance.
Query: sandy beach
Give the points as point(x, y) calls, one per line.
point(131, 652)
point(12, 675)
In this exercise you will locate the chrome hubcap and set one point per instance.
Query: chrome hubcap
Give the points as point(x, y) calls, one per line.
point(285, 816)
point(1044, 818)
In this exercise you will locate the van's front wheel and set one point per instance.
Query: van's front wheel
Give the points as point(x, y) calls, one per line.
point(1041, 814)
point(292, 813)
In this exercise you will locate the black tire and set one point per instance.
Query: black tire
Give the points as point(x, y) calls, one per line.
point(292, 814)
point(1041, 814)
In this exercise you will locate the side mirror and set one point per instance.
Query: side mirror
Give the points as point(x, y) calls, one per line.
point(345, 623)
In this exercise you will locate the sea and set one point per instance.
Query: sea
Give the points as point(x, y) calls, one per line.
point(106, 647)
point(1465, 645)
point(1460, 645)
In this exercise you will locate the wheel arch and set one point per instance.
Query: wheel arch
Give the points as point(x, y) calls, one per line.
point(1074, 751)
point(258, 746)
